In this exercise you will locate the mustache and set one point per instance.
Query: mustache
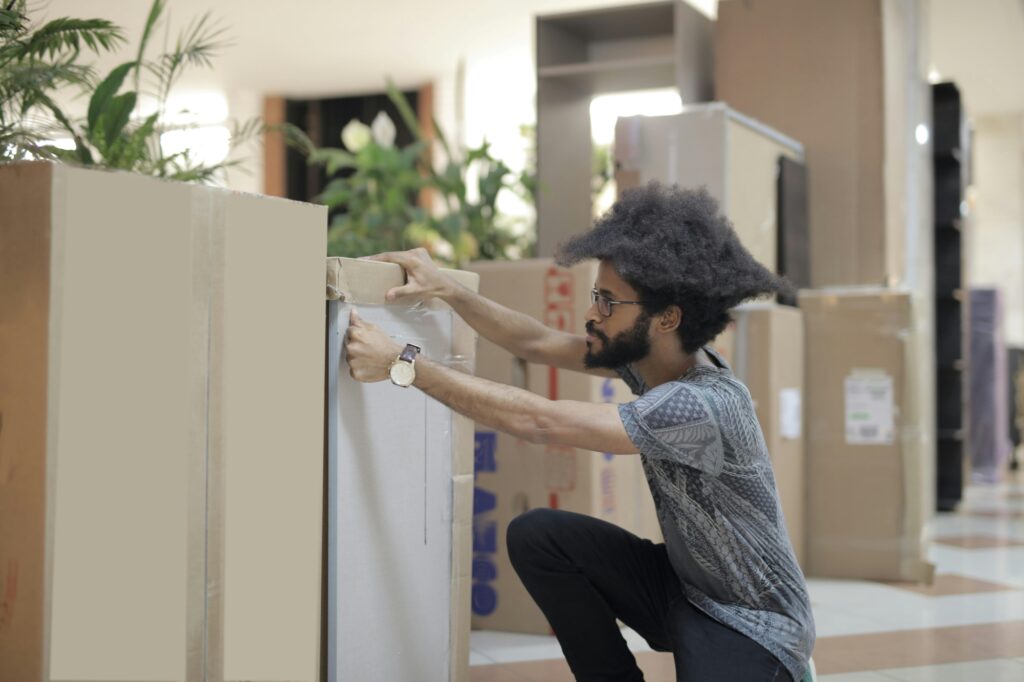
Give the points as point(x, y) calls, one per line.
point(595, 332)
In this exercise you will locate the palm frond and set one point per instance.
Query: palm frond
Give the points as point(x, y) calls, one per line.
point(152, 19)
point(68, 34)
point(196, 46)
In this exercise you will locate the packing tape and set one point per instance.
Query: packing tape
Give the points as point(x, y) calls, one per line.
point(196, 560)
point(214, 588)
point(363, 282)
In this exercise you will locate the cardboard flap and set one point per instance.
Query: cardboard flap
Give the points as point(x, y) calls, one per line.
point(365, 281)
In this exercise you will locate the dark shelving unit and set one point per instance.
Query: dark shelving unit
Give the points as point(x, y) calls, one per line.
point(951, 152)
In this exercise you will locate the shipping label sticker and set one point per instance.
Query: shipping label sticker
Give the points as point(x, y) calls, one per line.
point(870, 408)
point(790, 413)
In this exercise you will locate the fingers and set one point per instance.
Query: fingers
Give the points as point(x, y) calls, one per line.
point(399, 257)
point(401, 292)
point(353, 318)
point(403, 258)
point(388, 257)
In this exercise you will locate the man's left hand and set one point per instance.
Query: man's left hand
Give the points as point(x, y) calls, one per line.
point(369, 350)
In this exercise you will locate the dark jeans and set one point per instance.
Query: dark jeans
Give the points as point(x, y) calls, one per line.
point(584, 573)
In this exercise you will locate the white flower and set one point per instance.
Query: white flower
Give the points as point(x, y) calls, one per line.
point(383, 130)
point(355, 136)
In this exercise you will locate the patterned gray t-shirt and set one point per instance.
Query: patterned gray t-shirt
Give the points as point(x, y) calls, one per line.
point(708, 468)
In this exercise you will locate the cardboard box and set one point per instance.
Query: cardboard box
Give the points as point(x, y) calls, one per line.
point(399, 494)
point(710, 145)
point(846, 79)
point(512, 475)
point(870, 476)
point(765, 346)
point(162, 355)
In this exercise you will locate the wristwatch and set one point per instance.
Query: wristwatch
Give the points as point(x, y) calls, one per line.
point(403, 369)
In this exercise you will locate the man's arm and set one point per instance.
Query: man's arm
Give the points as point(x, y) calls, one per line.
point(517, 333)
point(526, 415)
point(591, 426)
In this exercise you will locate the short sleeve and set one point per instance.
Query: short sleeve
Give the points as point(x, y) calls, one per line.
point(674, 421)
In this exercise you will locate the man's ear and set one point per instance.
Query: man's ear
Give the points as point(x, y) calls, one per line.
point(670, 319)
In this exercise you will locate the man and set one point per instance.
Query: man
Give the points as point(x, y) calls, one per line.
point(724, 592)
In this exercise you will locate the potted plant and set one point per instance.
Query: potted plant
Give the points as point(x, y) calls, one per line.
point(115, 133)
point(376, 188)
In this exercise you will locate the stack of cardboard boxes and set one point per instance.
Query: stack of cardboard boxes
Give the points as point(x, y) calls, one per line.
point(871, 480)
point(512, 475)
point(161, 391)
point(846, 80)
point(162, 442)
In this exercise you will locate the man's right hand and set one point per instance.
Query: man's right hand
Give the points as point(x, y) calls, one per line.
point(423, 278)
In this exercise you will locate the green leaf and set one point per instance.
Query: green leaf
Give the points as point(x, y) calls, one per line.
point(113, 120)
point(483, 152)
point(155, 10)
point(296, 138)
point(412, 153)
point(441, 137)
point(404, 109)
point(10, 20)
point(136, 148)
point(68, 35)
point(105, 92)
point(334, 159)
point(336, 193)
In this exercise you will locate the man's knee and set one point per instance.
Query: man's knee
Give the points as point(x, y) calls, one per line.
point(530, 530)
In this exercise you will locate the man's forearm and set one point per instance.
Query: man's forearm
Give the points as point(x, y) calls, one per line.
point(516, 332)
point(505, 408)
point(591, 426)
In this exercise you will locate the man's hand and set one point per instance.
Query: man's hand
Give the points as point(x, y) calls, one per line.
point(369, 350)
point(425, 279)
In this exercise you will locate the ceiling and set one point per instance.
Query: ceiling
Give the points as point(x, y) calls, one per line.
point(979, 44)
point(314, 47)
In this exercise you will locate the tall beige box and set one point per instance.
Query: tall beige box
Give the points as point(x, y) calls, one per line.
point(733, 156)
point(400, 494)
point(870, 475)
point(513, 476)
point(161, 451)
point(847, 79)
point(765, 346)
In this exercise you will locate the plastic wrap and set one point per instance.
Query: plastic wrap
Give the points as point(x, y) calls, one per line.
point(400, 492)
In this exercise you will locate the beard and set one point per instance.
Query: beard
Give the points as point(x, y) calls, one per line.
point(627, 347)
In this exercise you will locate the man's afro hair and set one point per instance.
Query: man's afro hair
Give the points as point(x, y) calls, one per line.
point(675, 248)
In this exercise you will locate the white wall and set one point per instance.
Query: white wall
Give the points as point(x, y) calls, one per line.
point(997, 234)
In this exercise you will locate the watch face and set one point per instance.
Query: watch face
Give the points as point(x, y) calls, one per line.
point(402, 373)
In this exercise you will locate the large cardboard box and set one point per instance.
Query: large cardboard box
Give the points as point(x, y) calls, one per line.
point(713, 146)
point(765, 346)
point(870, 475)
point(847, 79)
point(161, 453)
point(513, 476)
point(400, 491)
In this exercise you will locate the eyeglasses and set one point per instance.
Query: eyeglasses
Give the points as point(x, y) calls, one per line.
point(604, 304)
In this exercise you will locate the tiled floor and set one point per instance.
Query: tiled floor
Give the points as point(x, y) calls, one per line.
point(966, 627)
